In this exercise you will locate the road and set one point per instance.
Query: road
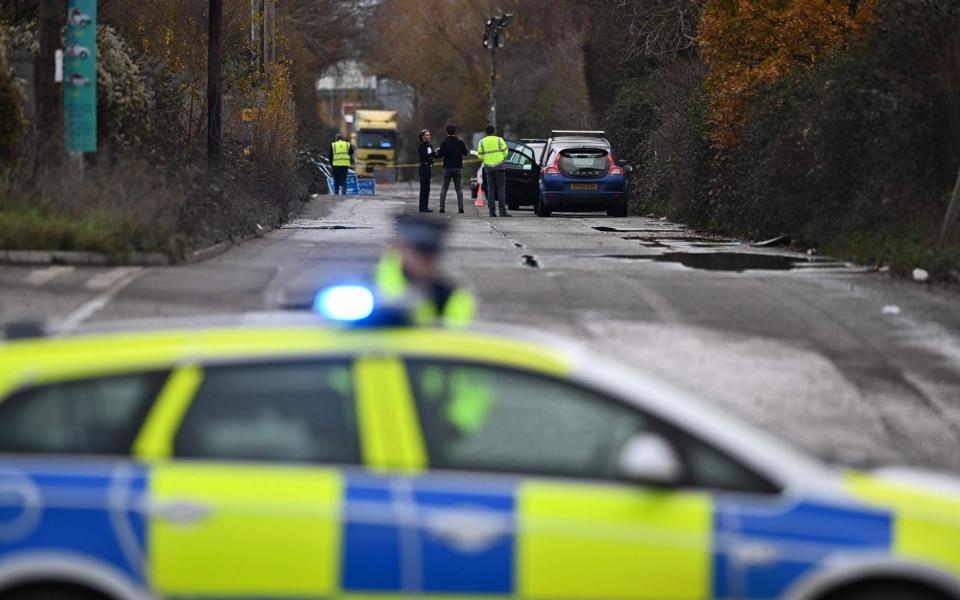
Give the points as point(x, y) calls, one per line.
point(817, 354)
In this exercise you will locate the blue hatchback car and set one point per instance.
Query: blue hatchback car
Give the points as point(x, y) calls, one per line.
point(581, 175)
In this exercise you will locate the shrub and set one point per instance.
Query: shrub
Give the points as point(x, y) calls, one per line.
point(124, 102)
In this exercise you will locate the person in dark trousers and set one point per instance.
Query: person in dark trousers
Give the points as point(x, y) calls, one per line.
point(493, 151)
point(427, 156)
point(452, 151)
point(341, 157)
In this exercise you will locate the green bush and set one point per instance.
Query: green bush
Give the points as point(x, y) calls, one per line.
point(864, 143)
point(124, 102)
point(657, 121)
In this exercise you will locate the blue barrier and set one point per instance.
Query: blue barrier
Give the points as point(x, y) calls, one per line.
point(356, 186)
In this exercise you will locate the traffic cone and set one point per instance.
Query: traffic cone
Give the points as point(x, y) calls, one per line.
point(479, 203)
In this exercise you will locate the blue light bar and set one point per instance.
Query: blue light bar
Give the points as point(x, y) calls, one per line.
point(344, 303)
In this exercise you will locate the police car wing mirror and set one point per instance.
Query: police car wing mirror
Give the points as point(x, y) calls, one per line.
point(649, 459)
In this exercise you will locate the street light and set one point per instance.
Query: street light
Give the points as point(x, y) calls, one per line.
point(493, 38)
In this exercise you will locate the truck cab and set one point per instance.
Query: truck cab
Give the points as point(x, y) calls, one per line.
point(375, 140)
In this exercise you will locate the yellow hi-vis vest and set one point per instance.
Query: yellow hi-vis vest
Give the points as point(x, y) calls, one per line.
point(492, 150)
point(341, 153)
point(392, 284)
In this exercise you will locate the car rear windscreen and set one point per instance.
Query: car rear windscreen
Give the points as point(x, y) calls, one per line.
point(584, 162)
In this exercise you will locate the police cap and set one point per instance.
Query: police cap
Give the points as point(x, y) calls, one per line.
point(423, 233)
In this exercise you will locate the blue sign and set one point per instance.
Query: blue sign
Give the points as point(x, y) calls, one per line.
point(80, 77)
point(357, 186)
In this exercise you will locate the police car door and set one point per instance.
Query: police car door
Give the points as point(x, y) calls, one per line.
point(525, 494)
point(254, 466)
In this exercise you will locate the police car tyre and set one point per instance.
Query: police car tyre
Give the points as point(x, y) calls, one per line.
point(52, 591)
point(887, 590)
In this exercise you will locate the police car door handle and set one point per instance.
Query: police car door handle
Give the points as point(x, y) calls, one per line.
point(180, 512)
point(467, 530)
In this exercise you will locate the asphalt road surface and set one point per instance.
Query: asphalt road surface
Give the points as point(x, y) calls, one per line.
point(859, 368)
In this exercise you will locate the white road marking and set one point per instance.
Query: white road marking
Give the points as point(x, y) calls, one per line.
point(89, 308)
point(43, 276)
point(105, 279)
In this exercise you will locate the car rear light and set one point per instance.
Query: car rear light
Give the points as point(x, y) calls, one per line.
point(553, 169)
point(615, 169)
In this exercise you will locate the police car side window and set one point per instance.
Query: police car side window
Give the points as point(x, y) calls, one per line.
point(486, 418)
point(290, 412)
point(97, 416)
point(479, 418)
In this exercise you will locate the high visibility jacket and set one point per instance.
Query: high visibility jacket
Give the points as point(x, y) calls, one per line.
point(341, 153)
point(457, 310)
point(492, 150)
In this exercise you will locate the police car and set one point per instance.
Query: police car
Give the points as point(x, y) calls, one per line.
point(274, 456)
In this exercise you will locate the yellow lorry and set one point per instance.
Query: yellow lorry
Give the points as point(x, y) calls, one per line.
point(375, 140)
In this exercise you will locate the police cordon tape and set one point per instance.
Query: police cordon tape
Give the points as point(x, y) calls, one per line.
point(409, 165)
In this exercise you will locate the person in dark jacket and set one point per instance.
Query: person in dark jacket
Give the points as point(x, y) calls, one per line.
point(452, 151)
point(427, 156)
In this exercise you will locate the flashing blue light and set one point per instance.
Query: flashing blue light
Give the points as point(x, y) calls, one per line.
point(344, 303)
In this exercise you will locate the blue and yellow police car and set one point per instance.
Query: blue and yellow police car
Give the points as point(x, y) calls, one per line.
point(269, 456)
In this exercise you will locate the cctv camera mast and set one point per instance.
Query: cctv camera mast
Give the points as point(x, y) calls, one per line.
point(80, 78)
point(493, 38)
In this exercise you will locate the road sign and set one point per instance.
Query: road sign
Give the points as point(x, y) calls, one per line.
point(80, 77)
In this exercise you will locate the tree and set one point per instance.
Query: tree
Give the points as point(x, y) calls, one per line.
point(435, 45)
point(748, 43)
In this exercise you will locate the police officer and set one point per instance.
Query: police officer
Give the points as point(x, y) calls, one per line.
point(493, 150)
point(341, 158)
point(427, 155)
point(410, 271)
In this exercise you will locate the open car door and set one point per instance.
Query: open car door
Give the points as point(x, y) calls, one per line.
point(523, 175)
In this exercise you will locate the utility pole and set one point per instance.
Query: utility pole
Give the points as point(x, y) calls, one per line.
point(493, 85)
point(493, 39)
point(49, 116)
point(214, 87)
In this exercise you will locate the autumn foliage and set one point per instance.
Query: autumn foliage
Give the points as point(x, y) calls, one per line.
point(749, 43)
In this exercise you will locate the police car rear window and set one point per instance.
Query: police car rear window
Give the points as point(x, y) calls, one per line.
point(98, 416)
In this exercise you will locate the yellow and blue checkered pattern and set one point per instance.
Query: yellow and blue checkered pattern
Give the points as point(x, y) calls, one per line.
point(393, 527)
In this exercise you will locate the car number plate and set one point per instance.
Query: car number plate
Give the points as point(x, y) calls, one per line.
point(584, 186)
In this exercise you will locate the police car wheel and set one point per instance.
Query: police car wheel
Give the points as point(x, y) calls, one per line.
point(887, 590)
point(54, 591)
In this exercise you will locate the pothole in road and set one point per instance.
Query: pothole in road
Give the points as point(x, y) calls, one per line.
point(327, 227)
point(530, 261)
point(648, 242)
point(698, 241)
point(606, 229)
point(735, 261)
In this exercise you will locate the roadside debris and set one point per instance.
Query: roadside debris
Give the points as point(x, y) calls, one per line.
point(780, 240)
point(920, 275)
point(891, 309)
